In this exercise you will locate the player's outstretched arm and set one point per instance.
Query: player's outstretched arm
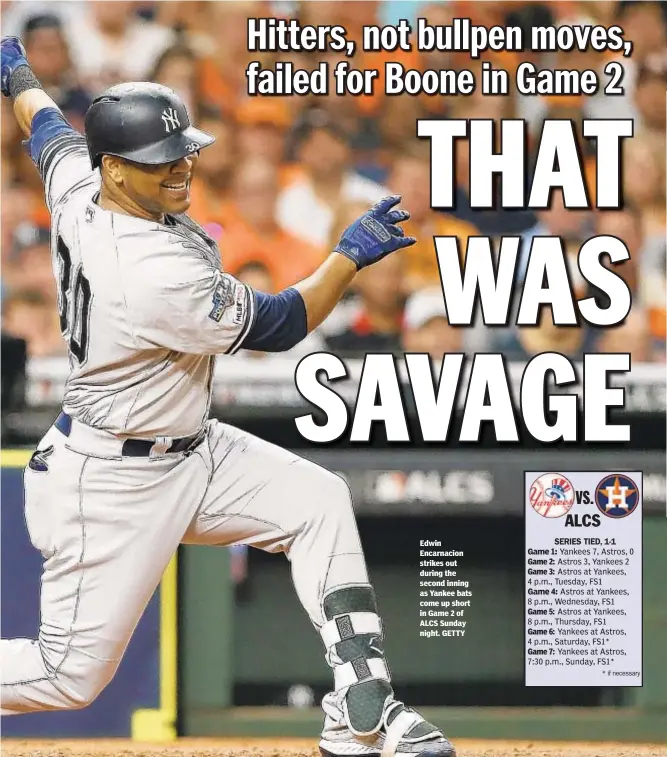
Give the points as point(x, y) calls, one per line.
point(57, 149)
point(283, 320)
point(20, 83)
point(322, 291)
point(370, 238)
point(191, 306)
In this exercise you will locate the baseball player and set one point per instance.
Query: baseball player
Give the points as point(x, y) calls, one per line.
point(133, 467)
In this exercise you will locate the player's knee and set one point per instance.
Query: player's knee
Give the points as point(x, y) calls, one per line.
point(327, 495)
point(82, 694)
point(87, 694)
point(339, 499)
point(81, 690)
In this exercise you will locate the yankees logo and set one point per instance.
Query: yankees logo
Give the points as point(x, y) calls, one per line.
point(170, 119)
point(551, 495)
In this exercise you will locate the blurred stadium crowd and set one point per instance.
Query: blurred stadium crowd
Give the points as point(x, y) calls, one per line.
point(286, 175)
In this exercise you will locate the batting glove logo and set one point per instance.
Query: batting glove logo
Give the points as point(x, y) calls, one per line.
point(375, 228)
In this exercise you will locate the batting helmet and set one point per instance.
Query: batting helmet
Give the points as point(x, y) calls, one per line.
point(142, 122)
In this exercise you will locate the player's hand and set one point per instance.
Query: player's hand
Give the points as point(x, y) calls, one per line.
point(376, 234)
point(13, 56)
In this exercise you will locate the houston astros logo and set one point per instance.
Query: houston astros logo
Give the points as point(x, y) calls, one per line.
point(616, 496)
point(551, 495)
point(171, 121)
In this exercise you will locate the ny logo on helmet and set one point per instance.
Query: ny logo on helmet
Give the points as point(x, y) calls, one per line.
point(170, 118)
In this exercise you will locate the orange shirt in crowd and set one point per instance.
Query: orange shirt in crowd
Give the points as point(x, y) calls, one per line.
point(205, 206)
point(208, 206)
point(213, 88)
point(420, 259)
point(39, 213)
point(287, 258)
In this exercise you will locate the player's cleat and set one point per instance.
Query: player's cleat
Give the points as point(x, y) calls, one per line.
point(404, 733)
point(363, 718)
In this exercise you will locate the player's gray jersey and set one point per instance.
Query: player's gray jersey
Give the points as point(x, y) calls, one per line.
point(144, 307)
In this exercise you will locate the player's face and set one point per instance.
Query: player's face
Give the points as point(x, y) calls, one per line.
point(160, 189)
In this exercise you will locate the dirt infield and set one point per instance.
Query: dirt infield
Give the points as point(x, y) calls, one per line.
point(306, 748)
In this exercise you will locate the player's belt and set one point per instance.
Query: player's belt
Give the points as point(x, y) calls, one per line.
point(140, 447)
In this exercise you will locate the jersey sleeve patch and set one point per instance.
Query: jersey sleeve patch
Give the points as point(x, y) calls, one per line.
point(229, 293)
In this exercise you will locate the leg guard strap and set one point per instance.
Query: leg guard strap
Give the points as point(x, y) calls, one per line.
point(358, 671)
point(351, 624)
point(401, 725)
point(405, 725)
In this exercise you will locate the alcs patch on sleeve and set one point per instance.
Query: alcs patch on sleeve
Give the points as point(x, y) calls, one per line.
point(229, 292)
point(223, 297)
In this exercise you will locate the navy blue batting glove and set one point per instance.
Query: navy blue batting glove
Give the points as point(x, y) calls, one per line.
point(376, 234)
point(13, 56)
